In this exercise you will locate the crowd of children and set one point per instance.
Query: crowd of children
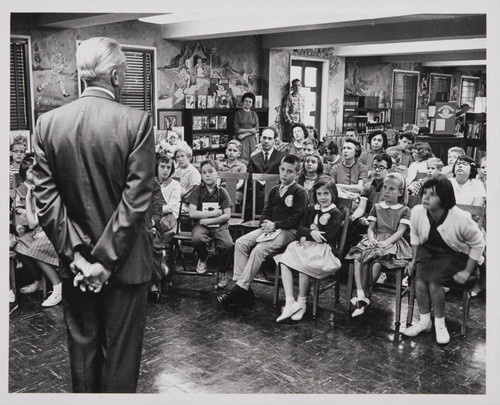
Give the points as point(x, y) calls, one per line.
point(301, 219)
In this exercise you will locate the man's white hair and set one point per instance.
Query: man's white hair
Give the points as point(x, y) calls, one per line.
point(97, 57)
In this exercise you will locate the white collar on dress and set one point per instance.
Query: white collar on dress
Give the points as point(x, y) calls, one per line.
point(393, 207)
point(317, 207)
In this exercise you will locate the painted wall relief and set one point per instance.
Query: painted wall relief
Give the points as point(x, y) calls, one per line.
point(54, 77)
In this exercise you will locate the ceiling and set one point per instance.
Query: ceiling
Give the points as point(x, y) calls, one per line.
point(449, 39)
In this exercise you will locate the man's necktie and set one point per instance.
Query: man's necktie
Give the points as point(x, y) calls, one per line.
point(266, 158)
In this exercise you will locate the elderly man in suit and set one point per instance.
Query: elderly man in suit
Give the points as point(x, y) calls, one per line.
point(94, 177)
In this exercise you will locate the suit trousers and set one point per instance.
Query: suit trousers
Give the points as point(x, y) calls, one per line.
point(105, 335)
point(201, 235)
point(249, 255)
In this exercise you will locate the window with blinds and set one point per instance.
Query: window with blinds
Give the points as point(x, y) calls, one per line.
point(469, 87)
point(20, 111)
point(404, 97)
point(440, 83)
point(138, 90)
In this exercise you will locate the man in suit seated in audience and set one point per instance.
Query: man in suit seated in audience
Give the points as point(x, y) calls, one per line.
point(265, 161)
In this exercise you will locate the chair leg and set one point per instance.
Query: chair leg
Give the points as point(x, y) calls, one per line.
point(465, 311)
point(399, 285)
point(337, 287)
point(315, 297)
point(44, 286)
point(350, 279)
point(411, 301)
point(217, 271)
point(276, 285)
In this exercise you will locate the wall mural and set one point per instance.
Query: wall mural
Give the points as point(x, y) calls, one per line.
point(54, 75)
point(189, 72)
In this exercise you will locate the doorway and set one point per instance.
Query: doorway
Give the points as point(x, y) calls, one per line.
point(310, 74)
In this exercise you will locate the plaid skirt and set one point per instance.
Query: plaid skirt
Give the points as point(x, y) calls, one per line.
point(36, 245)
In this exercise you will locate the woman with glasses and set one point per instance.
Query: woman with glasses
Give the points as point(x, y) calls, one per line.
point(468, 189)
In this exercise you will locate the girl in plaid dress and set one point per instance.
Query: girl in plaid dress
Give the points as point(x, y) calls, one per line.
point(34, 248)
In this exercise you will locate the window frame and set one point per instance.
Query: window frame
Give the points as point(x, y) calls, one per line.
point(470, 78)
point(440, 76)
point(415, 101)
point(136, 48)
point(30, 107)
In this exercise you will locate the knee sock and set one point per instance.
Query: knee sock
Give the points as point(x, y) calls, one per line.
point(425, 319)
point(302, 301)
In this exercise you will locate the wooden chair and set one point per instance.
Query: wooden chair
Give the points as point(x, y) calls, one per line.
point(230, 182)
point(331, 281)
point(479, 216)
point(398, 273)
point(183, 236)
point(270, 181)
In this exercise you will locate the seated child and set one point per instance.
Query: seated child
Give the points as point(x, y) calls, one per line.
point(312, 171)
point(283, 211)
point(233, 165)
point(165, 211)
point(453, 154)
point(210, 207)
point(482, 171)
point(313, 253)
point(384, 240)
point(34, 248)
point(434, 166)
point(310, 146)
point(447, 246)
point(17, 153)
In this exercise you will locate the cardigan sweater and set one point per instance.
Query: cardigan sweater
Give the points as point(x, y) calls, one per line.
point(458, 230)
point(329, 222)
point(287, 211)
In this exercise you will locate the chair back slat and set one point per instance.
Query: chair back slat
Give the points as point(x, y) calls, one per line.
point(271, 180)
point(478, 214)
point(344, 205)
point(230, 182)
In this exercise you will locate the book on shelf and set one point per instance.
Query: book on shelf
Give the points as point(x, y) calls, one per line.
point(215, 141)
point(205, 142)
point(197, 123)
point(190, 101)
point(224, 139)
point(196, 144)
point(258, 101)
point(223, 102)
point(202, 101)
point(222, 122)
point(204, 122)
point(212, 122)
point(210, 101)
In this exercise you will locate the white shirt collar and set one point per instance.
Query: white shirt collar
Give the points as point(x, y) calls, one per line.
point(393, 207)
point(318, 207)
point(102, 89)
point(269, 152)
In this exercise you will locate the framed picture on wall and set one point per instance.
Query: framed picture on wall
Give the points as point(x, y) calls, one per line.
point(169, 118)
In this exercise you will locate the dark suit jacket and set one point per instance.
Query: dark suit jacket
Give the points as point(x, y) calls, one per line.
point(256, 163)
point(94, 177)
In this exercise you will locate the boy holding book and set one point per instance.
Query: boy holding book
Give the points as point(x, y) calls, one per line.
point(282, 213)
point(210, 206)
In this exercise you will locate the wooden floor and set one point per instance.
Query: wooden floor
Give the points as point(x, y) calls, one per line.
point(193, 346)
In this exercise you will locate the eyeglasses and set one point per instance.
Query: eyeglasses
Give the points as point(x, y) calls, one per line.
point(379, 168)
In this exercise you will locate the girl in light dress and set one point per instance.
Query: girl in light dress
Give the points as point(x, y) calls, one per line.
point(312, 255)
point(384, 241)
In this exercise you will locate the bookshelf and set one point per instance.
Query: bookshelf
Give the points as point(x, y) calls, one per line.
point(208, 130)
point(475, 135)
point(364, 114)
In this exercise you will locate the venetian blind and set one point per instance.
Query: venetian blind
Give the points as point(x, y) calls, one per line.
point(19, 86)
point(439, 83)
point(404, 98)
point(469, 90)
point(137, 91)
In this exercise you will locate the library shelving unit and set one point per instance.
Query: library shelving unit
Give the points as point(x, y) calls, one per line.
point(473, 140)
point(364, 114)
point(208, 130)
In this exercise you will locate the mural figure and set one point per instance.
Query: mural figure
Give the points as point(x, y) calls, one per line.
point(334, 109)
point(53, 76)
